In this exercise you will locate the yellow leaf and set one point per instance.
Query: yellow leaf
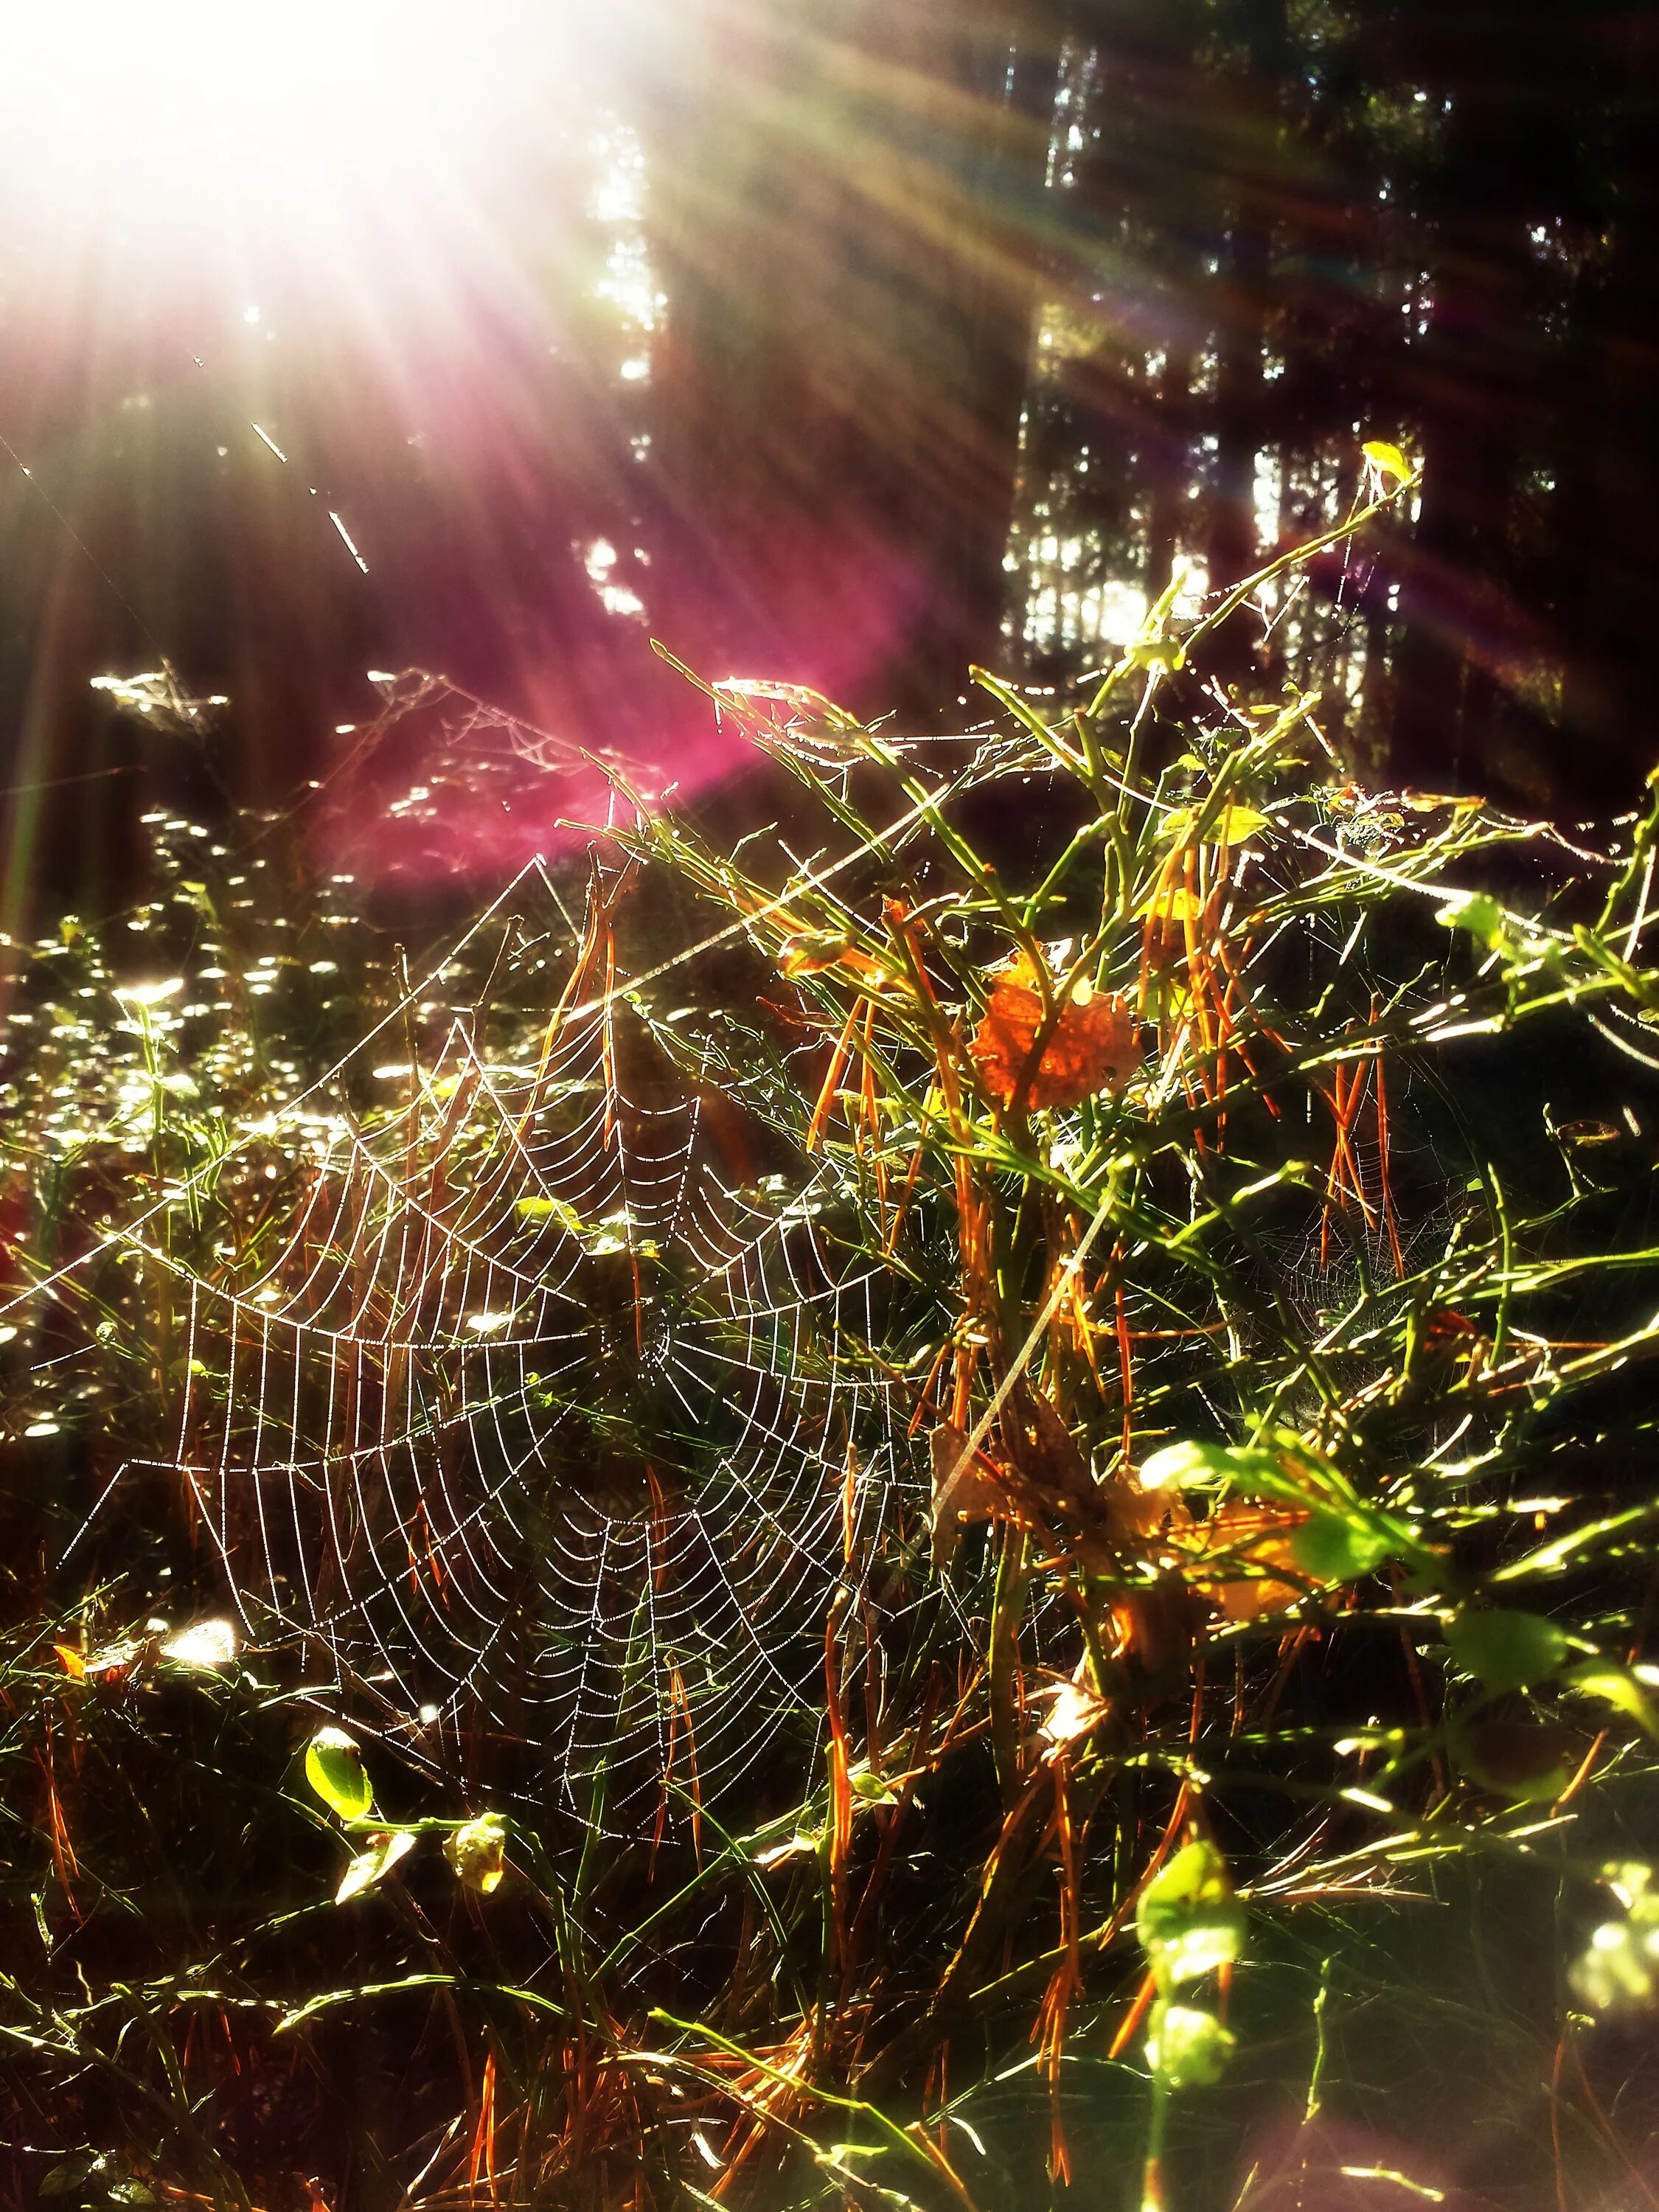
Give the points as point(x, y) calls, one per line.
point(478, 1851)
point(1234, 825)
point(1388, 460)
point(1175, 903)
point(334, 1768)
point(372, 1865)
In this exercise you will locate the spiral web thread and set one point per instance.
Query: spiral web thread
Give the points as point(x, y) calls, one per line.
point(532, 1412)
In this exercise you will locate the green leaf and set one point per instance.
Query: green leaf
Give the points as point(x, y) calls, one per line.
point(478, 1851)
point(1186, 1467)
point(1619, 1970)
point(334, 1770)
point(1337, 1547)
point(1619, 1967)
point(870, 1788)
point(844, 2153)
point(1156, 653)
point(544, 1209)
point(1479, 913)
point(1187, 2047)
point(1601, 1678)
point(1188, 1920)
point(1506, 1649)
point(1253, 1472)
point(68, 2176)
point(374, 1865)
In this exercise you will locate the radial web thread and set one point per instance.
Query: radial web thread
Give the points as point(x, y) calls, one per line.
point(527, 1410)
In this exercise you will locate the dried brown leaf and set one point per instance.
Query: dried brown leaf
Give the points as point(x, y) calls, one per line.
point(966, 1487)
point(1044, 1450)
point(1078, 1709)
point(1157, 1622)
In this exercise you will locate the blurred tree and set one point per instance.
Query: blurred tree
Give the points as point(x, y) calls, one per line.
point(1471, 381)
point(1284, 227)
point(849, 211)
point(1604, 554)
point(1137, 275)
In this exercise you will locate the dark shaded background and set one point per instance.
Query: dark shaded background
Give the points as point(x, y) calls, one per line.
point(958, 303)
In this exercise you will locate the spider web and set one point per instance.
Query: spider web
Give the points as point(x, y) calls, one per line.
point(527, 1404)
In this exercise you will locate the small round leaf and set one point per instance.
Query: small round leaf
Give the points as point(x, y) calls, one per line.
point(1601, 1678)
point(1530, 1761)
point(1504, 1649)
point(1186, 1467)
point(1476, 911)
point(1387, 459)
point(1188, 2047)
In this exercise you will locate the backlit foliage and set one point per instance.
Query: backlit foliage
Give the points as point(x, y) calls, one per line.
point(1155, 1366)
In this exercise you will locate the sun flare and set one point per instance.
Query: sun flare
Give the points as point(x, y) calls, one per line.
point(181, 136)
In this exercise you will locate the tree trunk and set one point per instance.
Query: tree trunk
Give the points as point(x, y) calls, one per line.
point(1608, 494)
point(1469, 385)
point(1138, 219)
point(1248, 173)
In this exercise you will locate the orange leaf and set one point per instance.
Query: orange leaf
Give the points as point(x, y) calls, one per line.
point(73, 1664)
point(1093, 1045)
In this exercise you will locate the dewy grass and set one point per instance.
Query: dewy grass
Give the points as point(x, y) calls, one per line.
point(960, 1514)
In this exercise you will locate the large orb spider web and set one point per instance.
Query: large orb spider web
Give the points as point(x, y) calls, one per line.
point(531, 1408)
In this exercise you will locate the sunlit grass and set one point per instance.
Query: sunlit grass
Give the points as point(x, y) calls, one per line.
point(1223, 1773)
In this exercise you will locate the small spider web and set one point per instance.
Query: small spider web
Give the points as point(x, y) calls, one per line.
point(530, 1407)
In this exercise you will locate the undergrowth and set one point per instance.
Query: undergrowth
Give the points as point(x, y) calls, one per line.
point(1226, 1779)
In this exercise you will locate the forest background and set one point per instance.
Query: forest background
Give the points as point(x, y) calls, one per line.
point(856, 344)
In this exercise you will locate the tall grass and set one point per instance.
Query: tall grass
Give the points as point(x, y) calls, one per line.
point(1234, 1778)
